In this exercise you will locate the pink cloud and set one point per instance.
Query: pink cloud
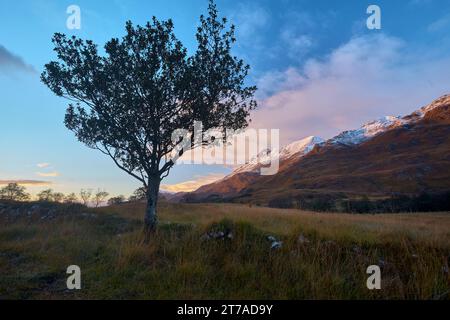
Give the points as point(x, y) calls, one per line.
point(366, 78)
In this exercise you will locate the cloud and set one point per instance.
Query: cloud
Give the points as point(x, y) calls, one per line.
point(192, 185)
point(48, 174)
point(26, 182)
point(249, 19)
point(276, 81)
point(367, 77)
point(440, 24)
point(298, 44)
point(9, 61)
point(296, 33)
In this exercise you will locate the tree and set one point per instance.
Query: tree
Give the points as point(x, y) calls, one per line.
point(14, 192)
point(49, 196)
point(116, 200)
point(85, 195)
point(99, 197)
point(58, 197)
point(138, 195)
point(45, 195)
point(128, 102)
point(71, 198)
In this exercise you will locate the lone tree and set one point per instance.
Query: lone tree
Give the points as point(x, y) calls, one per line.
point(128, 102)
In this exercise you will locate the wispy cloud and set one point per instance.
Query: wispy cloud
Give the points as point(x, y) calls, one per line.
point(47, 170)
point(192, 185)
point(296, 33)
point(440, 24)
point(10, 61)
point(48, 174)
point(249, 19)
point(26, 182)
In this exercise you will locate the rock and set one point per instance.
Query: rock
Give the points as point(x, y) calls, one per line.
point(276, 245)
point(217, 235)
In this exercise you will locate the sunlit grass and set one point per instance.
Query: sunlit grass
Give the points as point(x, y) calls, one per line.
point(176, 263)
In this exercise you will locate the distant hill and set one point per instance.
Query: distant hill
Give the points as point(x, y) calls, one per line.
point(389, 156)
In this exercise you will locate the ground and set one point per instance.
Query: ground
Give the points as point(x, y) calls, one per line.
point(322, 255)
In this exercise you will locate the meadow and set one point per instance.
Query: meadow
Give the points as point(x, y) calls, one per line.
point(322, 256)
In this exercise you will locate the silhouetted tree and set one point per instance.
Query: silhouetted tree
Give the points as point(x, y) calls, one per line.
point(116, 200)
point(138, 195)
point(45, 195)
point(85, 195)
point(128, 102)
point(58, 197)
point(99, 197)
point(71, 198)
point(14, 192)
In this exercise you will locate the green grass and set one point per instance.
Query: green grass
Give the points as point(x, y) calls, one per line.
point(117, 263)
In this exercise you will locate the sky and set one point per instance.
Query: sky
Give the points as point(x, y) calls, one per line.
point(318, 68)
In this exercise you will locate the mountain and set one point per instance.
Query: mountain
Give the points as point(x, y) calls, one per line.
point(246, 174)
point(298, 148)
point(367, 131)
point(392, 155)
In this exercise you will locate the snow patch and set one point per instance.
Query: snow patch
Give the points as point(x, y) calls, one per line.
point(298, 148)
point(367, 131)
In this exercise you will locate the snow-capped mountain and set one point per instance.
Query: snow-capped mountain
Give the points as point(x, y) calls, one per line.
point(367, 131)
point(374, 128)
point(390, 155)
point(298, 148)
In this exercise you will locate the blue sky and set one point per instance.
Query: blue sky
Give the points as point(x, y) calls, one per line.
point(318, 68)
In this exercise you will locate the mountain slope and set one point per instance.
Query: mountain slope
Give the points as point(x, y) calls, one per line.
point(397, 155)
point(248, 173)
point(406, 158)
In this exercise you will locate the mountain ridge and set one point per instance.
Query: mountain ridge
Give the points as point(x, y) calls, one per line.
point(409, 154)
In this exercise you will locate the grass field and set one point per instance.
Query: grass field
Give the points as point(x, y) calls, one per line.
point(323, 256)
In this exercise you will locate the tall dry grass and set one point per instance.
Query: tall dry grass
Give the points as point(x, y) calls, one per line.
point(177, 263)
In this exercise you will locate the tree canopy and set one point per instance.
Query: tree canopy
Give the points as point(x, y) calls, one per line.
point(128, 102)
point(14, 192)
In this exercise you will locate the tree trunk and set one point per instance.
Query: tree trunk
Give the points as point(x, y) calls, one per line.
point(151, 218)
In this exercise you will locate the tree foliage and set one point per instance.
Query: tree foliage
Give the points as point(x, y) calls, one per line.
point(100, 196)
point(14, 192)
point(128, 102)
